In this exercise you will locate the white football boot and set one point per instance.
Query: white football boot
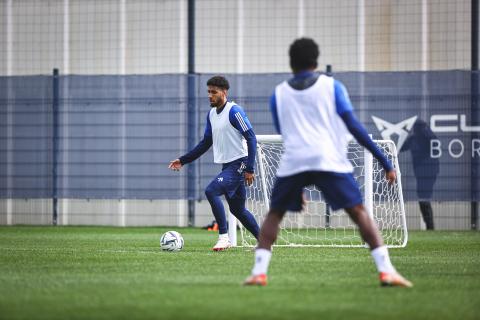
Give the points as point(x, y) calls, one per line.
point(223, 243)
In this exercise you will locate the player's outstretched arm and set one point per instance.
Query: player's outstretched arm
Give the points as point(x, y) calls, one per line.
point(345, 111)
point(361, 135)
point(196, 152)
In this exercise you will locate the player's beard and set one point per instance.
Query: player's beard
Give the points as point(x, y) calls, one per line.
point(216, 104)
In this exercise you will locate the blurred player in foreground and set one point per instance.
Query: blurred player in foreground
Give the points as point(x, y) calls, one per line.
point(315, 117)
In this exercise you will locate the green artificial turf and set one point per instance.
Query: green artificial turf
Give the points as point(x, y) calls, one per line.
point(121, 273)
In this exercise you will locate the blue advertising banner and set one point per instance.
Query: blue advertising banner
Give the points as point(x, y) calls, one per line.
point(117, 134)
point(432, 119)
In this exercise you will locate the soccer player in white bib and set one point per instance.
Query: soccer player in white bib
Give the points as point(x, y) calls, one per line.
point(234, 146)
point(314, 115)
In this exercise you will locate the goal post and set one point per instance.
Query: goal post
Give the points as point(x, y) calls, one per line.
point(317, 224)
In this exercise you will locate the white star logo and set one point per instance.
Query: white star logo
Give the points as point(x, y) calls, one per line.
point(387, 129)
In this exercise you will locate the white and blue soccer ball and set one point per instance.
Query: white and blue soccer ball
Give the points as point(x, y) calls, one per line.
point(171, 241)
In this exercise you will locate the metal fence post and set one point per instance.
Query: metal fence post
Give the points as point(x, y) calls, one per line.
point(55, 104)
point(192, 113)
point(474, 164)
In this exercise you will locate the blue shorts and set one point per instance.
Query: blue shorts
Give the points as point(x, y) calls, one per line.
point(230, 181)
point(340, 190)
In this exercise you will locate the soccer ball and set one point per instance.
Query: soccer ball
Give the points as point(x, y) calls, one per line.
point(171, 241)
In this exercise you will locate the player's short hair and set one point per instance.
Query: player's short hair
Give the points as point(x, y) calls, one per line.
point(303, 53)
point(218, 81)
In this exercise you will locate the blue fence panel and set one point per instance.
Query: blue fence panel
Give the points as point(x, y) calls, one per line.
point(26, 136)
point(122, 132)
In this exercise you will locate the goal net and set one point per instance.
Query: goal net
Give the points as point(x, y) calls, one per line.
point(317, 224)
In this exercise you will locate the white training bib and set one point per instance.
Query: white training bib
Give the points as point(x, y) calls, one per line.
point(228, 142)
point(315, 138)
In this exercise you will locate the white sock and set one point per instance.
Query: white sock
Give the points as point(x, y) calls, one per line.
point(382, 259)
point(223, 236)
point(262, 260)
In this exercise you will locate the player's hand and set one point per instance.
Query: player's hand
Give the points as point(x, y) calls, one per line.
point(175, 165)
point(391, 176)
point(249, 177)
